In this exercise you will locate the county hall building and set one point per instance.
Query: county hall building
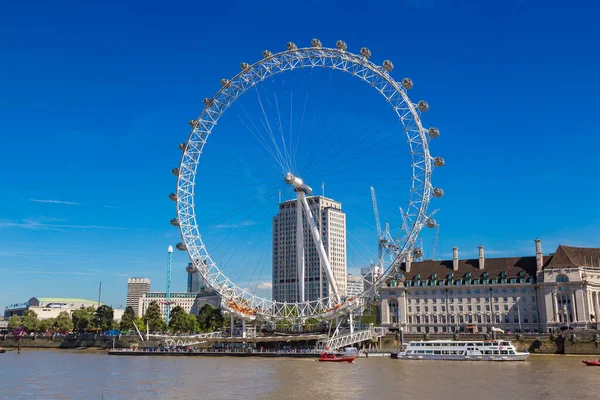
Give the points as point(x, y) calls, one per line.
point(528, 294)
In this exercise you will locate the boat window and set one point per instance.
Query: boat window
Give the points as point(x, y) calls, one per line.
point(421, 351)
point(429, 352)
point(436, 352)
point(470, 344)
point(511, 352)
point(504, 344)
point(496, 352)
point(504, 352)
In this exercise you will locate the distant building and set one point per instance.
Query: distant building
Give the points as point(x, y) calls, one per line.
point(191, 302)
point(515, 293)
point(355, 285)
point(195, 282)
point(50, 307)
point(331, 222)
point(136, 288)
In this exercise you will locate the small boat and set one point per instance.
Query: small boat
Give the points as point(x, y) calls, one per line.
point(476, 350)
point(329, 357)
point(592, 363)
point(2, 350)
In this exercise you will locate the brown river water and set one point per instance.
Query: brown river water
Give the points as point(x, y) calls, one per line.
point(63, 374)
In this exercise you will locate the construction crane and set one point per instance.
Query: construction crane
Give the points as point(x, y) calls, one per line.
point(435, 241)
point(380, 239)
point(385, 243)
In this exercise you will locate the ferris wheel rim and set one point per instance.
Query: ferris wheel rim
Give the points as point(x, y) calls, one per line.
point(215, 107)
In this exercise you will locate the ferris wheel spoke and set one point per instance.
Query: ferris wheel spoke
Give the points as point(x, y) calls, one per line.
point(259, 138)
point(267, 127)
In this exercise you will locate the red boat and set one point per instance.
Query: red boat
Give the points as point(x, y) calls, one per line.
point(592, 363)
point(327, 357)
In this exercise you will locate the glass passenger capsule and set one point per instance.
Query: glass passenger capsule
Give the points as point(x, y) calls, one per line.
point(366, 53)
point(388, 65)
point(417, 252)
point(174, 222)
point(181, 246)
point(407, 83)
point(433, 132)
point(291, 46)
point(439, 162)
point(266, 54)
point(341, 45)
point(437, 192)
point(175, 171)
point(316, 43)
point(173, 196)
point(422, 106)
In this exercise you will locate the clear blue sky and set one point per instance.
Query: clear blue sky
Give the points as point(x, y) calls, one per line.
point(94, 99)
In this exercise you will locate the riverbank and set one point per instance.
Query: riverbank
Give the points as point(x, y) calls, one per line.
point(573, 342)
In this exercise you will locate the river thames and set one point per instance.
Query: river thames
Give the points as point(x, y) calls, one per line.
point(54, 374)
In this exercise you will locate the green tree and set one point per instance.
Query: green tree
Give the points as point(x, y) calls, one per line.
point(14, 322)
point(128, 319)
point(372, 318)
point(104, 317)
point(141, 325)
point(210, 318)
point(30, 321)
point(64, 323)
point(177, 320)
point(47, 324)
point(191, 323)
point(83, 319)
point(154, 319)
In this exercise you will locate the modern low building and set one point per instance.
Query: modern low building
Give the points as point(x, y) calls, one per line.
point(528, 294)
point(355, 285)
point(191, 302)
point(50, 307)
point(136, 288)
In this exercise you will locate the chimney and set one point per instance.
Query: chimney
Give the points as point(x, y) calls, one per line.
point(539, 259)
point(408, 262)
point(454, 259)
point(481, 258)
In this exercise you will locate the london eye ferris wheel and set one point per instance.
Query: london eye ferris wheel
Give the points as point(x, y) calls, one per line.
point(251, 204)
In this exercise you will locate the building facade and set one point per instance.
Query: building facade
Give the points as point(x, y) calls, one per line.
point(331, 222)
point(191, 302)
point(136, 288)
point(50, 307)
point(527, 294)
point(355, 285)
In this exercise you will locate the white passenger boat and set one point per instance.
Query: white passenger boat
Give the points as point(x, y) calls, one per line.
point(483, 350)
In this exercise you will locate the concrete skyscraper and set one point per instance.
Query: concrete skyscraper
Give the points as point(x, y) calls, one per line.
point(331, 222)
point(136, 288)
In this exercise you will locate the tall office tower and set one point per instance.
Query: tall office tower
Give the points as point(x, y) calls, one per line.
point(331, 222)
point(136, 288)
